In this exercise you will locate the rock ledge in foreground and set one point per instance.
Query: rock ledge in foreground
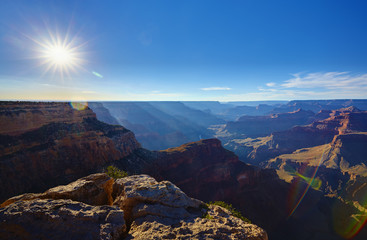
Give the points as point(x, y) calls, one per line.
point(142, 208)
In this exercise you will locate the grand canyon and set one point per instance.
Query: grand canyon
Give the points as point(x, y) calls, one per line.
point(296, 173)
point(205, 120)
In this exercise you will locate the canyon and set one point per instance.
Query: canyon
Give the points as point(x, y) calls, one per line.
point(66, 143)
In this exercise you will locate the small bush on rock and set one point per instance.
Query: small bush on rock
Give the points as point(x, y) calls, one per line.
point(230, 208)
point(115, 173)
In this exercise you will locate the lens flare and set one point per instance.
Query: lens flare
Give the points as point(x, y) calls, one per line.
point(355, 224)
point(79, 105)
point(311, 181)
point(350, 216)
point(97, 74)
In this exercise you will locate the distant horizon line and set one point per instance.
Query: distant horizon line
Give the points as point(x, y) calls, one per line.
point(65, 100)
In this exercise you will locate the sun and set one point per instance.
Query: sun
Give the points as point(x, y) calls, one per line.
point(62, 55)
point(61, 59)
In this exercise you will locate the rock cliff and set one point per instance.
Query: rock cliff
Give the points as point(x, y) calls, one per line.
point(47, 144)
point(135, 207)
point(19, 117)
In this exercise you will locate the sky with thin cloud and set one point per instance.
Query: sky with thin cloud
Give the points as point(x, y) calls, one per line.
point(182, 50)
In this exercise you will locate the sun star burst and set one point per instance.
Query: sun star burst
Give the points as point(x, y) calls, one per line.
point(60, 55)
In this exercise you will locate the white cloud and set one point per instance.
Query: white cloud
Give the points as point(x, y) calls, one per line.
point(318, 85)
point(329, 85)
point(328, 80)
point(267, 89)
point(287, 94)
point(216, 89)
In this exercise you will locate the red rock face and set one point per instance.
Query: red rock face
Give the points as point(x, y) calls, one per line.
point(19, 117)
point(47, 144)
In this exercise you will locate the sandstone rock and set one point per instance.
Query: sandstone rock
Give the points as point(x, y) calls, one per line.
point(160, 210)
point(60, 219)
point(219, 224)
point(143, 188)
point(95, 189)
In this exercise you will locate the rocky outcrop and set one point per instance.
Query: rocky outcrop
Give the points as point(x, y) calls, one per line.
point(46, 144)
point(142, 208)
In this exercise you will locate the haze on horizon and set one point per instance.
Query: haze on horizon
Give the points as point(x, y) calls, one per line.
point(183, 50)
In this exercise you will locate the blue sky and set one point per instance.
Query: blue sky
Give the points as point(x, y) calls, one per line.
point(185, 50)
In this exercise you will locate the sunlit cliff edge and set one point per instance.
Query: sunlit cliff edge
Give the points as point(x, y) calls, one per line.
point(134, 207)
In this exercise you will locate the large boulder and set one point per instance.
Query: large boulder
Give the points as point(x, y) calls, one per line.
point(143, 188)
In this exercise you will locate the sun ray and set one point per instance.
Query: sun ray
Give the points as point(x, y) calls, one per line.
point(60, 54)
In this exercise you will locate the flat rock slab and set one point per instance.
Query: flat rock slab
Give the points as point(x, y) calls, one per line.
point(143, 188)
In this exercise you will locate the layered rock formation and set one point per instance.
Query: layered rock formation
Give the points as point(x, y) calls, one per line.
point(19, 117)
point(338, 142)
point(336, 123)
point(319, 105)
point(142, 208)
point(46, 144)
point(259, 126)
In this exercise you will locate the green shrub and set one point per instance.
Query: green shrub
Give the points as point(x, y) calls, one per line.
point(230, 208)
point(207, 216)
point(115, 173)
